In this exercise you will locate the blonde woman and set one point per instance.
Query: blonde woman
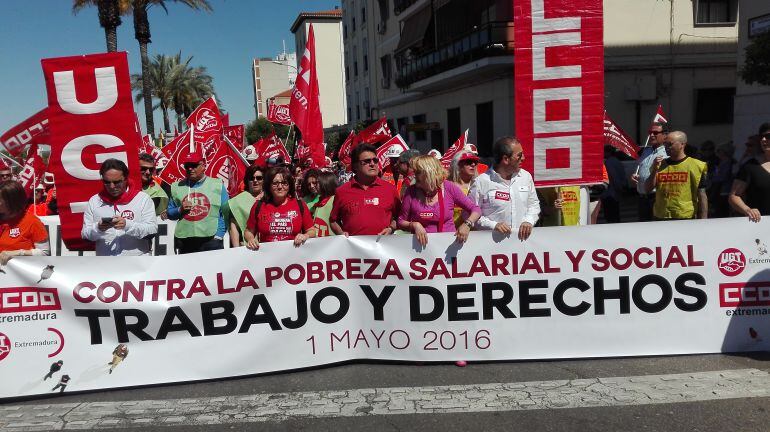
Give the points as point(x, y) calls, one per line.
point(428, 205)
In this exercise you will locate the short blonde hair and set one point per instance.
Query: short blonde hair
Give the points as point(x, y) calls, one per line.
point(431, 168)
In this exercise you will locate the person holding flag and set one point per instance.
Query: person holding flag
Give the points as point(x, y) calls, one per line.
point(657, 135)
point(196, 203)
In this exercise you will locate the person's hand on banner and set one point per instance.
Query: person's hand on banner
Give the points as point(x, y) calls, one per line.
point(420, 233)
point(300, 239)
point(525, 230)
point(503, 228)
point(462, 233)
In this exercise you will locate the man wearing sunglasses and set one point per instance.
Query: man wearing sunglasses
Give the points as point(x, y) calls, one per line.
point(658, 135)
point(120, 218)
point(196, 203)
point(158, 195)
point(367, 204)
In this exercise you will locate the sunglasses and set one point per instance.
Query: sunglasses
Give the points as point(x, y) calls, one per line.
point(146, 169)
point(257, 178)
point(370, 161)
point(469, 162)
point(655, 133)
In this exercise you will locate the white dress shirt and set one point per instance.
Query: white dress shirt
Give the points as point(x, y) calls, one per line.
point(512, 203)
point(141, 222)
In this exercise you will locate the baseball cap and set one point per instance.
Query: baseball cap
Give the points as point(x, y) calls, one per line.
point(468, 156)
point(194, 157)
point(275, 160)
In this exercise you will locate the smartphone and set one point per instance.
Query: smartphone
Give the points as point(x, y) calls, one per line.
point(107, 220)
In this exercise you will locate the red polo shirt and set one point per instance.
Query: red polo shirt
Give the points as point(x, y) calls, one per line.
point(365, 211)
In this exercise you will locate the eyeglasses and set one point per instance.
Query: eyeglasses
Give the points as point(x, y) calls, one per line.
point(257, 179)
point(370, 161)
point(146, 169)
point(114, 183)
point(280, 183)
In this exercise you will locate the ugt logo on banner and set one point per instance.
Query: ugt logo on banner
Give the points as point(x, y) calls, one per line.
point(559, 71)
point(91, 118)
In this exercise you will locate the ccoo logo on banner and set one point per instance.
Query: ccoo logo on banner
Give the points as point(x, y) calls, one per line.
point(559, 89)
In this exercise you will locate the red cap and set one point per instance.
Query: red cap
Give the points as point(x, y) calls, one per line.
point(194, 157)
point(468, 156)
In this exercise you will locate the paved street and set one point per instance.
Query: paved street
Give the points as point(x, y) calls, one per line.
point(711, 392)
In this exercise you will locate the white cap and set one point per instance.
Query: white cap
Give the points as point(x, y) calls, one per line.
point(250, 153)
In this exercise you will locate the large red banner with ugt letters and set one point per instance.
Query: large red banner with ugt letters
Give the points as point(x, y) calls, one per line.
point(559, 71)
point(91, 118)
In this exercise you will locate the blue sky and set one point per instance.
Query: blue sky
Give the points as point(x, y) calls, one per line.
point(224, 41)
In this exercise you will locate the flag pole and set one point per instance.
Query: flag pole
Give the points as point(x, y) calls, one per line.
point(12, 160)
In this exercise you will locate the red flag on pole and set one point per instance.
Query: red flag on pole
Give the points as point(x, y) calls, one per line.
point(375, 132)
point(301, 152)
point(226, 120)
point(304, 108)
point(660, 117)
point(457, 147)
point(270, 146)
point(391, 148)
point(33, 130)
point(32, 173)
point(618, 138)
point(227, 164)
point(235, 133)
point(206, 121)
point(278, 113)
point(347, 147)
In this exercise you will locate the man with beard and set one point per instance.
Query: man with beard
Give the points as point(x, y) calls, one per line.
point(120, 218)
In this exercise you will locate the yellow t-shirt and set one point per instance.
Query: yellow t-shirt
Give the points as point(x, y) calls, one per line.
point(677, 188)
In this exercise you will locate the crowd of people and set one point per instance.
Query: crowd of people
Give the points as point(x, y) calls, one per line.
point(415, 195)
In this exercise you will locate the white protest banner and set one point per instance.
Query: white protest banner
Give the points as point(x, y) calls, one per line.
point(597, 291)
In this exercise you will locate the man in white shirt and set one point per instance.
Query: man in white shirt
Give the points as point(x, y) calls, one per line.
point(120, 218)
point(506, 193)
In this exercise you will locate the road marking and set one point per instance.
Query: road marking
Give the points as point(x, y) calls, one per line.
point(535, 395)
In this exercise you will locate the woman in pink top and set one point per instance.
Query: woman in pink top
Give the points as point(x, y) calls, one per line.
point(428, 206)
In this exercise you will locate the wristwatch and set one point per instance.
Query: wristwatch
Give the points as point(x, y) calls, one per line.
point(469, 223)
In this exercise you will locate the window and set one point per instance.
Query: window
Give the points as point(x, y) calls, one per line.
point(358, 106)
point(367, 110)
point(401, 123)
point(353, 22)
point(355, 61)
point(345, 31)
point(453, 125)
point(437, 139)
point(485, 128)
point(384, 12)
point(363, 14)
point(347, 73)
point(385, 69)
point(714, 106)
point(420, 135)
point(716, 11)
point(366, 55)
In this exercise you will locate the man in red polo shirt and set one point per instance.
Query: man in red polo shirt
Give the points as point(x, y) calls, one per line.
point(367, 204)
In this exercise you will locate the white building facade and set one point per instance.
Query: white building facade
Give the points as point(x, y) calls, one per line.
point(271, 77)
point(437, 67)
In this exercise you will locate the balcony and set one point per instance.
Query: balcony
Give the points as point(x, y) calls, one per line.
point(490, 40)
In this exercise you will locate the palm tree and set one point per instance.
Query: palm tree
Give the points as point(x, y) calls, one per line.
point(142, 34)
point(109, 17)
point(175, 85)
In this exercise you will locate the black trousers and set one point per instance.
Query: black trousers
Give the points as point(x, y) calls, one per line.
point(646, 203)
point(196, 244)
point(611, 209)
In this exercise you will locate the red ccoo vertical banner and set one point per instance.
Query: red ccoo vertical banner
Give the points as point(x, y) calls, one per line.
point(91, 118)
point(559, 89)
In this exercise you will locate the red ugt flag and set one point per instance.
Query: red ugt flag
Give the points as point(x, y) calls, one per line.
point(457, 147)
point(32, 172)
point(618, 138)
point(91, 117)
point(206, 120)
point(347, 148)
point(304, 108)
point(278, 114)
point(270, 146)
point(376, 132)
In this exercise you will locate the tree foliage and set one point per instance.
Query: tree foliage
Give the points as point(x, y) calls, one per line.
point(261, 128)
point(757, 66)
